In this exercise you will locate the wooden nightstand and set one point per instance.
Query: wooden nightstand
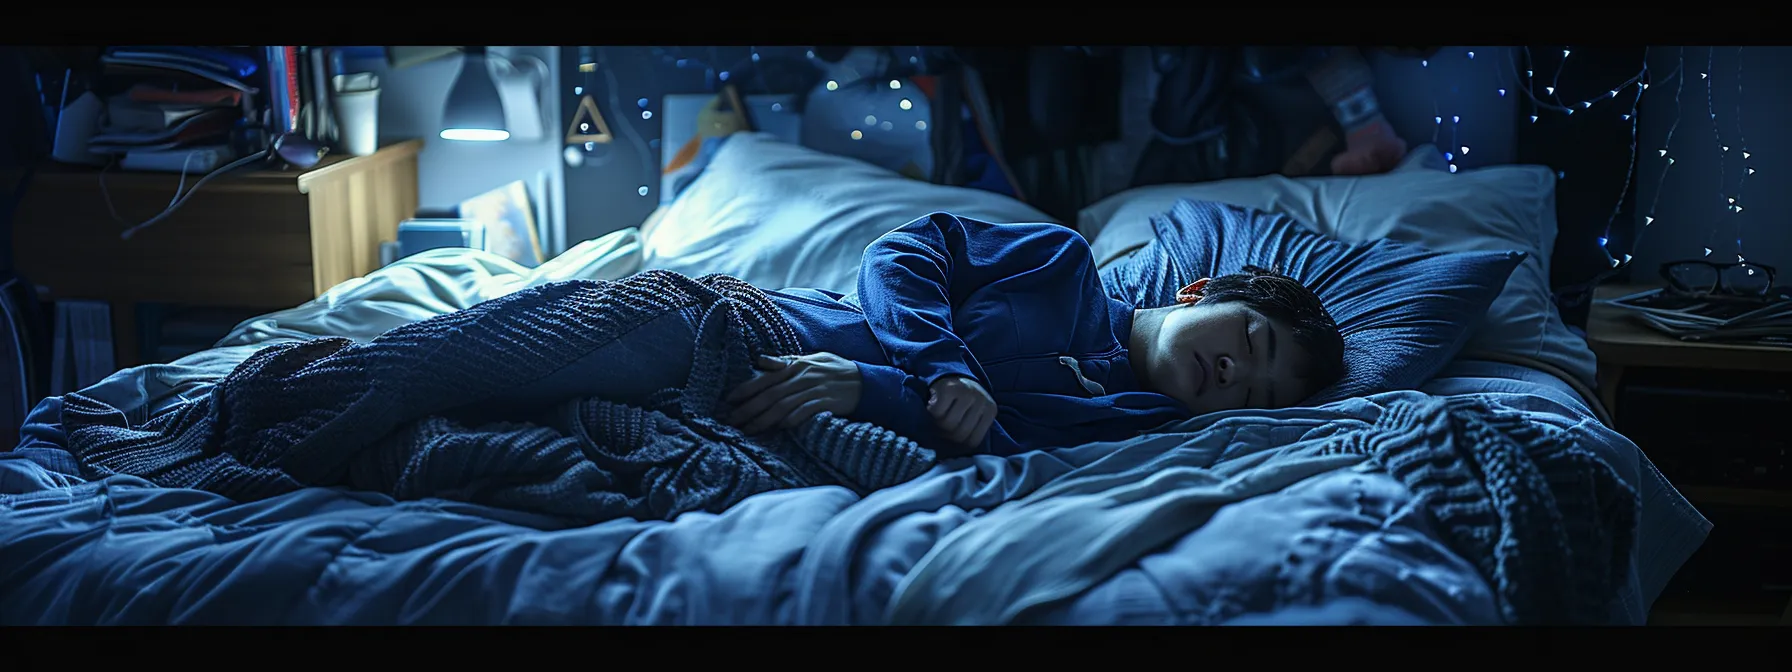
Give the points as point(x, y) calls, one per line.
point(1623, 342)
point(255, 238)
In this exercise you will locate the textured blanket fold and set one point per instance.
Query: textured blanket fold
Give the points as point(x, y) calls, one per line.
point(407, 414)
point(1544, 519)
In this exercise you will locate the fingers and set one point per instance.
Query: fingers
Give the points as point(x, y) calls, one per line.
point(986, 421)
point(964, 428)
point(761, 382)
point(802, 414)
point(787, 401)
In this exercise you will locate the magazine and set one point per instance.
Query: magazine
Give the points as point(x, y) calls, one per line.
point(1761, 320)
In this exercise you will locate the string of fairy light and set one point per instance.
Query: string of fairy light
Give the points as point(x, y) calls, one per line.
point(1731, 140)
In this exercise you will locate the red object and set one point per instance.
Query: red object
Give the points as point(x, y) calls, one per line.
point(292, 88)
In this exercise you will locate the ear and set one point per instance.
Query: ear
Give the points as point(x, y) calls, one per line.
point(1193, 292)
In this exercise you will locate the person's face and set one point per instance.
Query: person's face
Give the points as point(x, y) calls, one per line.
point(1218, 357)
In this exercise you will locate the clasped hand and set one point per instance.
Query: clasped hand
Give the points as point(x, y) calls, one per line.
point(790, 390)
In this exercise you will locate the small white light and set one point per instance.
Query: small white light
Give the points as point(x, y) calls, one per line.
point(1424, 64)
point(1449, 157)
point(920, 125)
point(857, 135)
point(1626, 117)
point(905, 104)
point(1465, 149)
point(578, 90)
point(1663, 152)
point(642, 190)
point(1745, 153)
point(646, 114)
point(832, 85)
point(1738, 209)
point(1751, 171)
point(1645, 86)
point(1614, 93)
point(1549, 90)
point(1527, 73)
point(1648, 220)
point(1751, 271)
point(1565, 53)
point(1732, 201)
point(1740, 260)
point(777, 107)
point(870, 120)
point(1602, 241)
point(1439, 120)
point(1626, 258)
point(1569, 110)
point(590, 146)
point(475, 134)
point(1452, 167)
point(894, 84)
point(810, 53)
point(1471, 54)
point(1703, 75)
point(1502, 92)
point(1707, 251)
point(1455, 120)
point(755, 57)
point(1586, 105)
point(1726, 147)
point(723, 75)
point(914, 59)
point(1670, 160)
point(1533, 118)
point(584, 127)
point(574, 157)
point(1615, 263)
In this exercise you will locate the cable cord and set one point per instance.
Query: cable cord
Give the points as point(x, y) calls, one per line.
point(180, 197)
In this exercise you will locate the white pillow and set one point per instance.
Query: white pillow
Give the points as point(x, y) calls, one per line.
point(781, 215)
point(1495, 208)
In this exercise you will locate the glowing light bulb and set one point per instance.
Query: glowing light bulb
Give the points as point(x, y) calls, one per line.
point(1471, 54)
point(1602, 241)
point(1502, 92)
point(642, 190)
point(1703, 75)
point(832, 85)
point(646, 114)
point(1626, 117)
point(905, 104)
point(1726, 147)
point(857, 135)
point(1738, 209)
point(1751, 171)
point(1614, 93)
point(1663, 152)
point(1645, 86)
point(1587, 104)
point(1565, 53)
point(1549, 90)
point(1626, 258)
point(1424, 64)
point(1670, 160)
point(894, 84)
point(1745, 153)
point(1707, 251)
point(1439, 120)
point(578, 90)
point(1732, 201)
point(1569, 110)
point(1452, 167)
point(1648, 220)
point(1533, 118)
point(1455, 120)
point(1751, 271)
point(1465, 149)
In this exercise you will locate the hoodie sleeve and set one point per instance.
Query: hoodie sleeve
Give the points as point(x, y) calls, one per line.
point(913, 278)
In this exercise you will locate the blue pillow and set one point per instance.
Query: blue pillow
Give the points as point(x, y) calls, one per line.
point(1404, 310)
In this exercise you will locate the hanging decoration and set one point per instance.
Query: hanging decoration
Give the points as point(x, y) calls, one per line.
point(587, 124)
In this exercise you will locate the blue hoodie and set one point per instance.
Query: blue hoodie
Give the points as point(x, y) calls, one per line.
point(1017, 307)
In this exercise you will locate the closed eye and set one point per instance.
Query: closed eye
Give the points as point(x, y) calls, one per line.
point(1251, 350)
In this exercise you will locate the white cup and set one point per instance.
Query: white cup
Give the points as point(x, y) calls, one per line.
point(358, 121)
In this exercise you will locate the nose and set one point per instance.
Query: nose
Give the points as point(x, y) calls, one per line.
point(1225, 370)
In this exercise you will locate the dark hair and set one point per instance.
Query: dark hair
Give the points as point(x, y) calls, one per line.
point(1283, 299)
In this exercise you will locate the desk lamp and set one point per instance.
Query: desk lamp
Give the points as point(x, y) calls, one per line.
point(474, 111)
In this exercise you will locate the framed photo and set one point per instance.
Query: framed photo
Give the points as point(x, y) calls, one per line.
point(508, 221)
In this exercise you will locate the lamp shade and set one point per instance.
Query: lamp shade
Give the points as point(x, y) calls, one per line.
point(474, 111)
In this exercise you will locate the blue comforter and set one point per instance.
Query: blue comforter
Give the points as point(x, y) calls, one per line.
point(1342, 545)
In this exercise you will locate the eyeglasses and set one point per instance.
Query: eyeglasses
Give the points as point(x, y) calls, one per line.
point(1697, 276)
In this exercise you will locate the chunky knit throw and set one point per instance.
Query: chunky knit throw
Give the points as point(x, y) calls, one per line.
point(1548, 521)
point(407, 414)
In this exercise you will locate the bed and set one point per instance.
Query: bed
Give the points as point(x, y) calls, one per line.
point(1244, 517)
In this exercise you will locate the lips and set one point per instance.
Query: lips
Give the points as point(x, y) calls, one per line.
point(1206, 373)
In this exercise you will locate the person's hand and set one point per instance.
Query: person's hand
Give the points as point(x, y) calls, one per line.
point(790, 390)
point(961, 409)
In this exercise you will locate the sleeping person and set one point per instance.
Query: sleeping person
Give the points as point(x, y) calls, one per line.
point(971, 337)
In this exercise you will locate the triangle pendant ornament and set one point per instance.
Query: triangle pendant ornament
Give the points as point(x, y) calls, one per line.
point(587, 124)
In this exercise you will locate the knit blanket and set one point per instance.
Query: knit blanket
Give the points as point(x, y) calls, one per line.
point(1546, 521)
point(409, 414)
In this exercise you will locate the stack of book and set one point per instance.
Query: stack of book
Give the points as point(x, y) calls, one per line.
point(1765, 320)
point(175, 108)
